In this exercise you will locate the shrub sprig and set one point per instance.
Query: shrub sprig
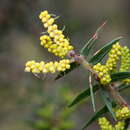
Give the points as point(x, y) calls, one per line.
point(109, 77)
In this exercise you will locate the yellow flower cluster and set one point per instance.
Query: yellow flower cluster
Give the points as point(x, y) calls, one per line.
point(125, 59)
point(59, 45)
point(120, 125)
point(103, 74)
point(114, 55)
point(42, 67)
point(56, 43)
point(105, 124)
point(123, 113)
point(125, 62)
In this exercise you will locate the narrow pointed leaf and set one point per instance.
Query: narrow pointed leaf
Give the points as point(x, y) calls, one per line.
point(83, 95)
point(92, 93)
point(123, 87)
point(107, 102)
point(120, 76)
point(88, 46)
point(73, 66)
point(92, 98)
point(103, 51)
point(96, 115)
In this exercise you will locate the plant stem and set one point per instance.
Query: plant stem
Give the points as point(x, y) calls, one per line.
point(115, 94)
point(86, 65)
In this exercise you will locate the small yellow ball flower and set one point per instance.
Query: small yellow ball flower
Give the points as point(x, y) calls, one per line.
point(43, 14)
point(123, 113)
point(27, 69)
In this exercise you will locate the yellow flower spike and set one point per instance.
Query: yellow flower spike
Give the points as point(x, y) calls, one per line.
point(52, 28)
point(57, 36)
point(114, 55)
point(51, 67)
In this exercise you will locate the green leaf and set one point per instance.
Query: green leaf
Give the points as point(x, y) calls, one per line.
point(83, 95)
point(103, 51)
point(92, 97)
point(73, 66)
point(95, 117)
point(87, 47)
point(123, 87)
point(107, 102)
point(120, 76)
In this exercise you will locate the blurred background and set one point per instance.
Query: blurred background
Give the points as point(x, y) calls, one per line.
point(22, 94)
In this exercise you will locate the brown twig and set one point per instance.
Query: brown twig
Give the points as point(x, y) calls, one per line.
point(116, 95)
point(86, 65)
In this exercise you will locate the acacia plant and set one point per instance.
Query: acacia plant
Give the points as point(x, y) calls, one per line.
point(109, 71)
